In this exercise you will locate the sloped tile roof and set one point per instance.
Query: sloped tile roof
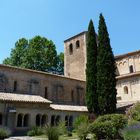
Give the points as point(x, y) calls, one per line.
point(14, 97)
point(69, 108)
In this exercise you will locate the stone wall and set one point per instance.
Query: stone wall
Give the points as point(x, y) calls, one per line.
point(58, 89)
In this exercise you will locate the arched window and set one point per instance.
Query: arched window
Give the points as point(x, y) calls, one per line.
point(15, 86)
point(26, 120)
point(71, 49)
point(43, 120)
point(70, 120)
point(126, 90)
point(0, 119)
point(19, 120)
point(131, 69)
point(53, 120)
point(57, 120)
point(66, 120)
point(77, 44)
point(38, 119)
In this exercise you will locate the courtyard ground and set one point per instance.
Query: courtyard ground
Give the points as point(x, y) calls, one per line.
point(40, 138)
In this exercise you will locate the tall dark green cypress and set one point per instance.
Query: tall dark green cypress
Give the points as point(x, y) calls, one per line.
point(106, 81)
point(91, 70)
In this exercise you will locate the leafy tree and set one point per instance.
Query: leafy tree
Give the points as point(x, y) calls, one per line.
point(106, 81)
point(17, 55)
point(38, 53)
point(60, 63)
point(91, 70)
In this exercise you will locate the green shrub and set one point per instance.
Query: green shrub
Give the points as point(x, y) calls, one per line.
point(82, 130)
point(52, 132)
point(134, 112)
point(4, 133)
point(108, 126)
point(35, 131)
point(79, 120)
point(62, 128)
point(131, 132)
point(69, 134)
point(81, 125)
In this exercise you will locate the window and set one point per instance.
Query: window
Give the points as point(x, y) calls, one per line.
point(38, 119)
point(19, 120)
point(57, 120)
point(72, 96)
point(26, 120)
point(70, 49)
point(70, 121)
point(125, 90)
point(77, 44)
point(44, 120)
point(46, 92)
point(0, 119)
point(66, 120)
point(15, 86)
point(53, 120)
point(131, 69)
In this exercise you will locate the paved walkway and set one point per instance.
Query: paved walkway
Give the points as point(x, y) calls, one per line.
point(27, 138)
point(19, 138)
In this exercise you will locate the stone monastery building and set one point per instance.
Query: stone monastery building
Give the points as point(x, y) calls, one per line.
point(33, 98)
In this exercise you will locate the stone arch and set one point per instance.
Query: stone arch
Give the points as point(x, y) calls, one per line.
point(66, 120)
point(120, 63)
point(19, 120)
point(70, 120)
point(125, 90)
point(26, 120)
point(44, 120)
point(57, 119)
point(77, 44)
point(124, 62)
point(131, 69)
point(53, 120)
point(38, 119)
point(71, 48)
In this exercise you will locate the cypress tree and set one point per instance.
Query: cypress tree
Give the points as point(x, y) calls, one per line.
point(106, 81)
point(91, 70)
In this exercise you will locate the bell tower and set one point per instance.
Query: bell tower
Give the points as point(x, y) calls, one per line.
point(75, 56)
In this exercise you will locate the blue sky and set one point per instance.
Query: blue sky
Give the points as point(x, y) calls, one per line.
point(60, 19)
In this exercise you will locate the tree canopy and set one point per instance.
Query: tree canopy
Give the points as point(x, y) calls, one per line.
point(106, 78)
point(91, 70)
point(38, 53)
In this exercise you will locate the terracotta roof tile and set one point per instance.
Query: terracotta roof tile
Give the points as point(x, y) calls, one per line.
point(14, 97)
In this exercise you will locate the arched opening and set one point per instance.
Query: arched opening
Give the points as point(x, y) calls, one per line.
point(70, 120)
point(26, 120)
point(43, 120)
point(77, 44)
point(66, 120)
point(19, 120)
point(125, 90)
point(0, 119)
point(38, 119)
point(71, 49)
point(57, 120)
point(53, 120)
point(131, 69)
